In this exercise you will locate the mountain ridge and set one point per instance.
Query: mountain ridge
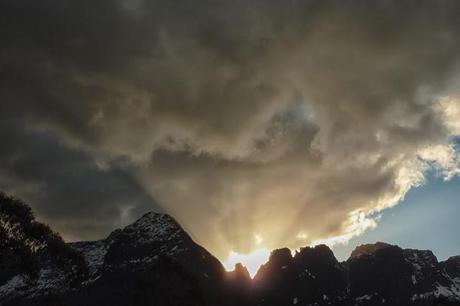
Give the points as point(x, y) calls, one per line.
point(153, 261)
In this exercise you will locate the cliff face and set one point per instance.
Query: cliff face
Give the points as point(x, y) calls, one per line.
point(155, 262)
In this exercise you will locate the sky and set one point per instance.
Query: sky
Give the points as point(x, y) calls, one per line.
point(426, 219)
point(256, 124)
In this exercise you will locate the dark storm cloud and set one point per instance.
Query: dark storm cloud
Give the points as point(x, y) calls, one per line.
point(67, 186)
point(238, 117)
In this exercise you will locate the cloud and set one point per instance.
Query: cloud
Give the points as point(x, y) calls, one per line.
point(276, 118)
point(66, 186)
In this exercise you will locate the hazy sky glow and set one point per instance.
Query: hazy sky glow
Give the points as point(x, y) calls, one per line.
point(256, 124)
point(251, 261)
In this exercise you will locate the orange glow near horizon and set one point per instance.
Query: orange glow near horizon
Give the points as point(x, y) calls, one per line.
point(252, 261)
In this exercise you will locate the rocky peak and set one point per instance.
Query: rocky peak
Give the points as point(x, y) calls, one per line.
point(240, 274)
point(241, 270)
point(278, 264)
point(319, 253)
point(280, 257)
point(155, 226)
point(368, 249)
point(152, 235)
point(452, 267)
point(420, 259)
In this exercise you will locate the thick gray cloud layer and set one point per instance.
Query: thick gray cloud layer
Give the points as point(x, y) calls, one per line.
point(293, 120)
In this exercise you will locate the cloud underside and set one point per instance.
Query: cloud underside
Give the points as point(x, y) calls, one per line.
point(297, 122)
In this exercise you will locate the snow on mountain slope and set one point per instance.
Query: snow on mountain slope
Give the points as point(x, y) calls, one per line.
point(154, 227)
point(93, 252)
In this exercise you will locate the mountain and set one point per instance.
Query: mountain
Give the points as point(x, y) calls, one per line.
point(151, 260)
point(375, 274)
point(155, 262)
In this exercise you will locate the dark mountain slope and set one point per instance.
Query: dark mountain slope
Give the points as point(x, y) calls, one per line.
point(147, 243)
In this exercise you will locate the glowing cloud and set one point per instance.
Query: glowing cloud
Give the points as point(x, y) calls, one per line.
point(298, 122)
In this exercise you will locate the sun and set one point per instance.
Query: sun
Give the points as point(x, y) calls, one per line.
point(252, 261)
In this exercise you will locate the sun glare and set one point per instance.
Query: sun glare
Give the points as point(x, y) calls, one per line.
point(252, 261)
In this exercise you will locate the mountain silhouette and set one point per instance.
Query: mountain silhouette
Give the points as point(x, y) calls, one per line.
point(155, 262)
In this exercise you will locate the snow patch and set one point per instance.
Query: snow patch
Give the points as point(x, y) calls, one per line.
point(93, 252)
point(365, 297)
point(15, 283)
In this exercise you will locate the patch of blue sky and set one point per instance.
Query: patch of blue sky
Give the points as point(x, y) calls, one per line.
point(427, 218)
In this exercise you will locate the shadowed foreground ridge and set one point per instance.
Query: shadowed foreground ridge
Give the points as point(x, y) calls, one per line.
point(155, 262)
